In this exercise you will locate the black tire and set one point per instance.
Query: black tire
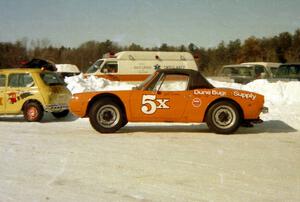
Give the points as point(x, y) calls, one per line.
point(106, 116)
point(223, 117)
point(33, 112)
point(61, 114)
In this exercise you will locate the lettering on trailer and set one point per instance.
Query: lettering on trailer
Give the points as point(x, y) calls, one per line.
point(249, 96)
point(1, 100)
point(209, 92)
point(150, 104)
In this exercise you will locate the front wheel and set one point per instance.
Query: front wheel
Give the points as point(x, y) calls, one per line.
point(223, 117)
point(33, 112)
point(106, 116)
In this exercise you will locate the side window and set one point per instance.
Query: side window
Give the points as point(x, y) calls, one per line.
point(259, 70)
point(2, 80)
point(273, 70)
point(20, 80)
point(172, 82)
point(110, 67)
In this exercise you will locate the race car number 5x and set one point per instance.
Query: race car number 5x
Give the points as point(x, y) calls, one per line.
point(150, 104)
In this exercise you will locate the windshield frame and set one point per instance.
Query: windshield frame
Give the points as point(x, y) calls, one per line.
point(95, 67)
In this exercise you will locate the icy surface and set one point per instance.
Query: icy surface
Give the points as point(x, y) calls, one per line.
point(66, 160)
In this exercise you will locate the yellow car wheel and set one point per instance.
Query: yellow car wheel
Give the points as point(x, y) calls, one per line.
point(33, 112)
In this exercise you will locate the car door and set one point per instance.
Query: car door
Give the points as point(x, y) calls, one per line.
point(19, 87)
point(2, 92)
point(164, 101)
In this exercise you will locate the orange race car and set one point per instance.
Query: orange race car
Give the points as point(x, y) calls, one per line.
point(170, 95)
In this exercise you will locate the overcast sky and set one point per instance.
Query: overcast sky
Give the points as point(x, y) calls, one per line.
point(146, 22)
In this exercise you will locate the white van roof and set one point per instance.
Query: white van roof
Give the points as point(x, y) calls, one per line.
point(153, 55)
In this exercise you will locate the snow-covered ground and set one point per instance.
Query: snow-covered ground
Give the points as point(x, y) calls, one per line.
point(66, 160)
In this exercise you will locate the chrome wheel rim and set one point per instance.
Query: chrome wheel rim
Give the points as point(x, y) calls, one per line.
point(108, 116)
point(224, 117)
point(32, 113)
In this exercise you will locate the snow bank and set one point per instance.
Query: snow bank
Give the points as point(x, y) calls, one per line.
point(277, 93)
point(280, 97)
point(78, 84)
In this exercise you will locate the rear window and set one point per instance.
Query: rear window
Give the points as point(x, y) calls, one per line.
point(52, 79)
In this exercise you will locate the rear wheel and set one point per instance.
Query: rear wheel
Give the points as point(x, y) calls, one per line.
point(106, 116)
point(223, 117)
point(33, 112)
point(60, 114)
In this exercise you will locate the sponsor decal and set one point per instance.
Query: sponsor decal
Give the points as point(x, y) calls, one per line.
point(209, 92)
point(196, 102)
point(249, 96)
point(150, 104)
point(1, 100)
point(13, 97)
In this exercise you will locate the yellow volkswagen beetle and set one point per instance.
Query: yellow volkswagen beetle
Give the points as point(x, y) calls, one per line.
point(32, 92)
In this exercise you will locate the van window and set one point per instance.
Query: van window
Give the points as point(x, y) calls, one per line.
point(110, 67)
point(172, 82)
point(2, 80)
point(20, 80)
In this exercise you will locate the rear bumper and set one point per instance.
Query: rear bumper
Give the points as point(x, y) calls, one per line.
point(56, 107)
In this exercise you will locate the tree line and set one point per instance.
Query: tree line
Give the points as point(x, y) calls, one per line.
point(284, 47)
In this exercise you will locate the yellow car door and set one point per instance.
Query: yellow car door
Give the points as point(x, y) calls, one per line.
point(19, 87)
point(2, 92)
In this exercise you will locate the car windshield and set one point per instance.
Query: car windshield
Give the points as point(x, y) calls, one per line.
point(52, 79)
point(237, 71)
point(149, 78)
point(94, 67)
point(288, 71)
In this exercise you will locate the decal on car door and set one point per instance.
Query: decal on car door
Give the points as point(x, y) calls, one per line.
point(150, 104)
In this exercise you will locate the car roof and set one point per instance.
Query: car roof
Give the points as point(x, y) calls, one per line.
point(266, 64)
point(290, 64)
point(178, 71)
point(239, 65)
point(19, 70)
point(197, 80)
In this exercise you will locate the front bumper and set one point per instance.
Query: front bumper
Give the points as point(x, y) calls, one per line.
point(56, 107)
